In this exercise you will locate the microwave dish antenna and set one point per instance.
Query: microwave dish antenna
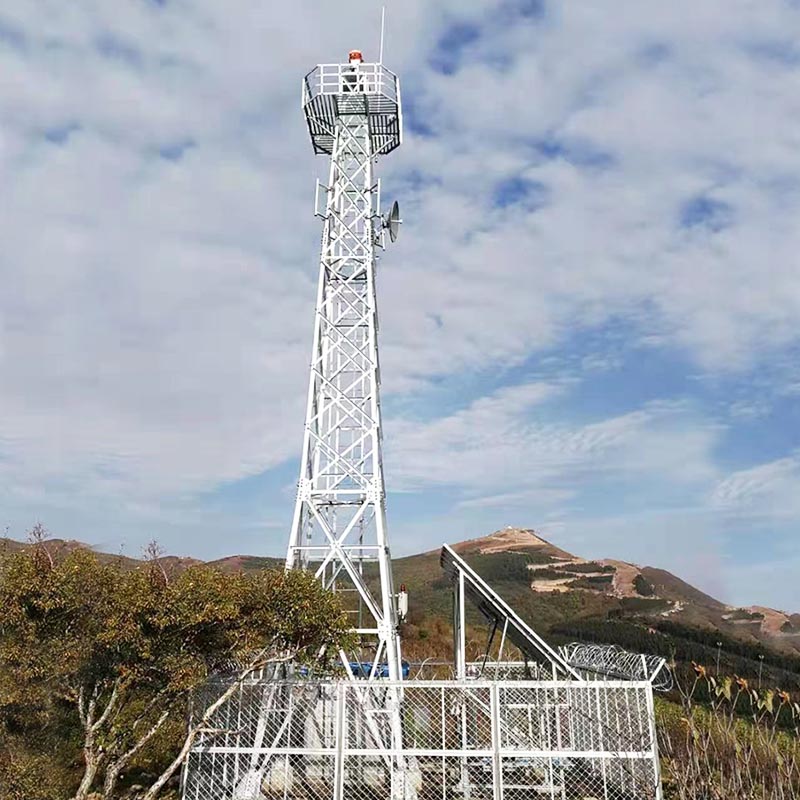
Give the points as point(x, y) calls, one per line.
point(392, 221)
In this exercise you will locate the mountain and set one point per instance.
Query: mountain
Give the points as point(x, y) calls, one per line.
point(531, 569)
point(565, 597)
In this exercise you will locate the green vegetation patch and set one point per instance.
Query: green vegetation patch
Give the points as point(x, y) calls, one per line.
point(643, 586)
point(743, 615)
point(99, 662)
point(509, 567)
point(589, 566)
point(596, 582)
point(644, 605)
point(548, 574)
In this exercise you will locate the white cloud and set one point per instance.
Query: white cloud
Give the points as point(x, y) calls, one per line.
point(770, 490)
point(504, 448)
point(536, 497)
point(156, 311)
point(699, 117)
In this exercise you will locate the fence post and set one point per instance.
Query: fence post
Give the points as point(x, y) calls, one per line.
point(651, 719)
point(459, 629)
point(338, 770)
point(497, 762)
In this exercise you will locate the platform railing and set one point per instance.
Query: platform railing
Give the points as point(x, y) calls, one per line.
point(340, 79)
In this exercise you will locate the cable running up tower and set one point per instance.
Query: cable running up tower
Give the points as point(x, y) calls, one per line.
point(353, 114)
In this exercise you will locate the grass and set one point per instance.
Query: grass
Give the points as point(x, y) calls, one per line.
point(740, 742)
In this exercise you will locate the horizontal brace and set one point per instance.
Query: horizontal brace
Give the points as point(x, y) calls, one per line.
point(510, 755)
point(347, 548)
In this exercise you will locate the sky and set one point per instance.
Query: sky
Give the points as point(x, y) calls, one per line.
point(590, 324)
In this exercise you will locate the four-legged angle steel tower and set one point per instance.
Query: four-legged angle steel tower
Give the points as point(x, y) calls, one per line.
point(556, 731)
point(339, 527)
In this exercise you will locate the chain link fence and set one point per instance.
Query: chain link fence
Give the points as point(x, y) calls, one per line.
point(427, 740)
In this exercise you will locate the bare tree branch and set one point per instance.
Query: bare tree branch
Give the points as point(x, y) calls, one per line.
point(115, 767)
point(262, 659)
point(112, 702)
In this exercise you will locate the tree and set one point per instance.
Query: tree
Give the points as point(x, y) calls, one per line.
point(123, 650)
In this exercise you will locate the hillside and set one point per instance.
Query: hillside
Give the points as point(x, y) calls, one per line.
point(566, 597)
point(550, 587)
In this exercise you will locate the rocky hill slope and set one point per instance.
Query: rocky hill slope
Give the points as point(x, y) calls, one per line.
point(648, 591)
point(566, 597)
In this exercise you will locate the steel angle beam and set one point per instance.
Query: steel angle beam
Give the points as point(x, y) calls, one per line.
point(499, 614)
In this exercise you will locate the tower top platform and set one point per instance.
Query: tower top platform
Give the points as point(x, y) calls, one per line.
point(334, 91)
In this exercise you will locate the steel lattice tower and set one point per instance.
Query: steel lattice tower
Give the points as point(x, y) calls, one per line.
point(556, 724)
point(339, 527)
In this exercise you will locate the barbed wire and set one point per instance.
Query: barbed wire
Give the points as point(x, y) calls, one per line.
point(612, 661)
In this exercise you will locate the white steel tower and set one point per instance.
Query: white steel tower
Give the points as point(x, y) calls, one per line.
point(339, 527)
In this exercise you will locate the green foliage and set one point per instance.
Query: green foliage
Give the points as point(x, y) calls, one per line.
point(588, 566)
point(508, 567)
point(595, 582)
point(643, 605)
point(743, 615)
point(683, 643)
point(79, 622)
point(31, 771)
point(743, 656)
point(643, 586)
point(91, 623)
point(97, 660)
point(548, 574)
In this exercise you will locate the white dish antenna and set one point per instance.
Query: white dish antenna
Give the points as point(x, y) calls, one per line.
point(392, 221)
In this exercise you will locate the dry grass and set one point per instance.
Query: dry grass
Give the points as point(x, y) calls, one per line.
point(740, 742)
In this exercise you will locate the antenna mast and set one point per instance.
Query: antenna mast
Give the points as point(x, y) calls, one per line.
point(383, 28)
point(339, 526)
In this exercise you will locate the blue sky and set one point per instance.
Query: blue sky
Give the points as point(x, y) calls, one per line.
point(589, 324)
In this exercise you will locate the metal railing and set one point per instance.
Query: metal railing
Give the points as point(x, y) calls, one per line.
point(341, 79)
point(363, 92)
point(476, 739)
